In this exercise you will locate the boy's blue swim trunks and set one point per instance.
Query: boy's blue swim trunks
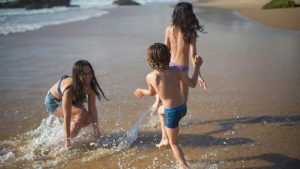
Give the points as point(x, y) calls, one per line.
point(173, 116)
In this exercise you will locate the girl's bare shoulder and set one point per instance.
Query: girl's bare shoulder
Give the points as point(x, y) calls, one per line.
point(68, 81)
point(90, 91)
point(168, 29)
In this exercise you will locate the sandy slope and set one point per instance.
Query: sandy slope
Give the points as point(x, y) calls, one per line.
point(279, 18)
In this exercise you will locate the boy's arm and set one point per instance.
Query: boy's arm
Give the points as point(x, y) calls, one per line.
point(148, 92)
point(193, 54)
point(193, 81)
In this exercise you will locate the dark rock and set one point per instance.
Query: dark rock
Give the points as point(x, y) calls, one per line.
point(125, 2)
point(35, 4)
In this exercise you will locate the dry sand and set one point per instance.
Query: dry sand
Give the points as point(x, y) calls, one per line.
point(288, 18)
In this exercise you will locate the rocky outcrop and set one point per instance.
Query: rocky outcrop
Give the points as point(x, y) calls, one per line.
point(280, 4)
point(35, 4)
point(125, 2)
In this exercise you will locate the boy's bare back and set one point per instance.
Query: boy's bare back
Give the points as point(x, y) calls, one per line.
point(165, 80)
point(166, 84)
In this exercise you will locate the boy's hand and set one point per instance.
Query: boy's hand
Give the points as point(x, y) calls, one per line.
point(139, 92)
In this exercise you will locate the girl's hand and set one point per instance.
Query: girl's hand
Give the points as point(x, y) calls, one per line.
point(96, 131)
point(97, 134)
point(139, 92)
point(202, 84)
point(67, 144)
point(198, 60)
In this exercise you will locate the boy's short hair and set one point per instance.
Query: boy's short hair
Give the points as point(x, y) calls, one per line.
point(158, 56)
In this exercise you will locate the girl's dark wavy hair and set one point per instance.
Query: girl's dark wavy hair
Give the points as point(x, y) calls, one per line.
point(184, 18)
point(158, 56)
point(78, 84)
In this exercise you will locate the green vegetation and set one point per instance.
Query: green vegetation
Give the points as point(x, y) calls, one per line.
point(280, 4)
point(125, 2)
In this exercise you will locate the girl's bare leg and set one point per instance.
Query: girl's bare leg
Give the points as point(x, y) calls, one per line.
point(184, 89)
point(78, 119)
point(164, 139)
point(172, 134)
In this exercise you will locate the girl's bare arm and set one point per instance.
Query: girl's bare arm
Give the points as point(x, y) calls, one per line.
point(167, 38)
point(193, 52)
point(67, 105)
point(191, 82)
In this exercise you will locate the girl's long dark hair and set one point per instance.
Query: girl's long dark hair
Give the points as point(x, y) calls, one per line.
point(184, 18)
point(78, 84)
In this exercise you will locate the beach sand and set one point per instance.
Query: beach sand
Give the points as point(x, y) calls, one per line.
point(288, 18)
point(248, 117)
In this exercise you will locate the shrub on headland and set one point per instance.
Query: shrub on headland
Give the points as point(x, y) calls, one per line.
point(125, 2)
point(280, 4)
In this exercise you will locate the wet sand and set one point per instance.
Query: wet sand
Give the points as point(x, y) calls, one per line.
point(287, 18)
point(248, 118)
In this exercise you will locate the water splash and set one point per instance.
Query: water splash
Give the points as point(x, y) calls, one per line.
point(153, 121)
point(131, 135)
point(45, 143)
point(35, 145)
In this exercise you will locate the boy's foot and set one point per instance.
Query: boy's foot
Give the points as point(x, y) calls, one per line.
point(162, 143)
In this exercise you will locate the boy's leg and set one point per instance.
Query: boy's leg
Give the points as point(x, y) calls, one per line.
point(172, 134)
point(164, 139)
point(155, 105)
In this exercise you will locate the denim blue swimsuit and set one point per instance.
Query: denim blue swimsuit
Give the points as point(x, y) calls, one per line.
point(173, 116)
point(51, 102)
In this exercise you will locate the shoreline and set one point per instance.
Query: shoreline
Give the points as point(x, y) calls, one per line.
point(284, 18)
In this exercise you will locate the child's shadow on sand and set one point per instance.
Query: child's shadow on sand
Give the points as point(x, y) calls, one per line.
point(146, 139)
point(278, 161)
point(229, 124)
